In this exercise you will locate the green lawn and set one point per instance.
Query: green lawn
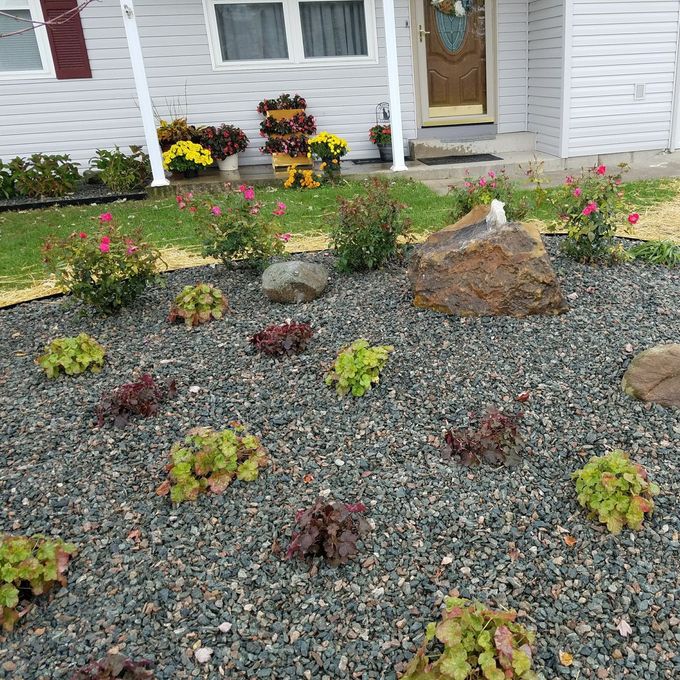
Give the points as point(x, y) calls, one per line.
point(309, 211)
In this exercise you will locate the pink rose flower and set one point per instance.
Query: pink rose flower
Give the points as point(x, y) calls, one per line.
point(283, 237)
point(577, 192)
point(216, 210)
point(633, 218)
point(192, 209)
point(590, 208)
point(130, 250)
point(249, 194)
point(602, 170)
point(569, 180)
point(492, 174)
point(104, 245)
point(242, 188)
point(105, 217)
point(255, 210)
point(482, 182)
point(280, 209)
point(82, 234)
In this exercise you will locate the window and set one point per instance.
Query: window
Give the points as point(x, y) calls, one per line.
point(267, 33)
point(25, 54)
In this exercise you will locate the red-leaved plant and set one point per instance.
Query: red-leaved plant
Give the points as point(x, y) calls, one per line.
point(141, 398)
point(115, 667)
point(492, 438)
point(330, 529)
point(284, 339)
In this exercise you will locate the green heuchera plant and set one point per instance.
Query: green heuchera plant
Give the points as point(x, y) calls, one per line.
point(616, 490)
point(198, 304)
point(472, 641)
point(358, 367)
point(72, 356)
point(212, 460)
point(34, 563)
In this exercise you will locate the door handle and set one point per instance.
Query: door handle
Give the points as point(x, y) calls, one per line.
point(422, 32)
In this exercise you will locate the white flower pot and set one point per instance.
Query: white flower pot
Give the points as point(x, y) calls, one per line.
point(229, 164)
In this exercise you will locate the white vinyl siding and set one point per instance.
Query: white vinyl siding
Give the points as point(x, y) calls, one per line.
point(79, 116)
point(617, 45)
point(512, 31)
point(546, 69)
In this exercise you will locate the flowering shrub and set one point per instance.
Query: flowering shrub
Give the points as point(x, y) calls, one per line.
point(141, 398)
point(473, 641)
point(380, 134)
point(34, 563)
point(122, 172)
point(300, 179)
point(299, 123)
point(368, 228)
point(106, 269)
point(198, 304)
point(329, 529)
point(176, 130)
point(210, 460)
point(616, 490)
point(483, 190)
point(284, 101)
point(287, 338)
point(223, 141)
point(357, 368)
point(186, 157)
point(7, 182)
point(44, 175)
point(494, 438)
point(589, 207)
point(115, 667)
point(293, 146)
point(240, 229)
point(72, 356)
point(328, 147)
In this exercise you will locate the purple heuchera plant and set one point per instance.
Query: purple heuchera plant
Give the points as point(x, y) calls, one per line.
point(330, 529)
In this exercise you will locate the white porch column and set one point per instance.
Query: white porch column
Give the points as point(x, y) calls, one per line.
point(398, 164)
point(143, 96)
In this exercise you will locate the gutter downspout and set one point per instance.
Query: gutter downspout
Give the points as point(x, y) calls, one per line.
point(143, 96)
point(398, 164)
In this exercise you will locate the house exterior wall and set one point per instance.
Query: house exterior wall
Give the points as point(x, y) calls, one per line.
point(79, 116)
point(614, 46)
point(545, 88)
point(512, 31)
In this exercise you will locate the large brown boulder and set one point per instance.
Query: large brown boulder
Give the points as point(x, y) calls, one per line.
point(654, 375)
point(480, 268)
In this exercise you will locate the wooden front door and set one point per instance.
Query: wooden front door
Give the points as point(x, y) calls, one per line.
point(455, 58)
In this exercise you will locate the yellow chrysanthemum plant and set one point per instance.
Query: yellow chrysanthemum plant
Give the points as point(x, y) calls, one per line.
point(330, 149)
point(187, 157)
point(300, 179)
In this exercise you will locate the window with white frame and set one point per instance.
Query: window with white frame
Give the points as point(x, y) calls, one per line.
point(267, 32)
point(23, 52)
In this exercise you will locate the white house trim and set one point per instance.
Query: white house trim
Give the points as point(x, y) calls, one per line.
point(565, 124)
point(143, 96)
point(398, 164)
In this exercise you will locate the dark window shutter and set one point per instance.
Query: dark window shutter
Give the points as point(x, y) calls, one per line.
point(67, 41)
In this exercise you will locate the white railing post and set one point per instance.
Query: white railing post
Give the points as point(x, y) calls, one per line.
point(398, 164)
point(143, 96)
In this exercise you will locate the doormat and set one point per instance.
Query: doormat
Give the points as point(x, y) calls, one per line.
point(472, 158)
point(375, 161)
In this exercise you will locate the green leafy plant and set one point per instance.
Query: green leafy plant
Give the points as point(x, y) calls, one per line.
point(223, 141)
point(238, 229)
point(198, 304)
point(72, 356)
point(357, 367)
point(473, 642)
point(44, 175)
point(492, 438)
point(115, 667)
point(175, 130)
point(210, 460)
point(665, 253)
point(368, 229)
point(106, 269)
point(329, 529)
point(122, 172)
point(29, 563)
point(482, 190)
point(7, 182)
point(616, 490)
point(380, 134)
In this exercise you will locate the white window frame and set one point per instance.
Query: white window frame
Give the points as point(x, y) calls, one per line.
point(47, 71)
point(296, 51)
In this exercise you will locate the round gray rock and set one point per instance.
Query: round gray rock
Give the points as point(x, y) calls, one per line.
point(654, 375)
point(294, 281)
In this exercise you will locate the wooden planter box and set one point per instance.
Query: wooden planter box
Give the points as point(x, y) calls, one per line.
point(283, 114)
point(283, 160)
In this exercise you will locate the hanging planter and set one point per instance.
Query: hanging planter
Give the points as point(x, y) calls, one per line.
point(456, 8)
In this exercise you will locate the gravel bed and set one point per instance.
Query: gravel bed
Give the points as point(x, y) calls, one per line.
point(156, 581)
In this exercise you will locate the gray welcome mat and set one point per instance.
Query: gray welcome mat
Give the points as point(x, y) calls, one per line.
point(472, 158)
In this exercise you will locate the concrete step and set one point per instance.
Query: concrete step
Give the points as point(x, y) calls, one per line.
point(498, 145)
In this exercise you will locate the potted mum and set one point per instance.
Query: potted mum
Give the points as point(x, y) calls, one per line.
point(381, 136)
point(224, 142)
point(187, 158)
point(329, 149)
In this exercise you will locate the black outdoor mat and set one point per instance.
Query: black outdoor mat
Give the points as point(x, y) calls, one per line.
point(375, 161)
point(472, 158)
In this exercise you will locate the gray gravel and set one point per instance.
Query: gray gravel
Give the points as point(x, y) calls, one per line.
point(496, 535)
